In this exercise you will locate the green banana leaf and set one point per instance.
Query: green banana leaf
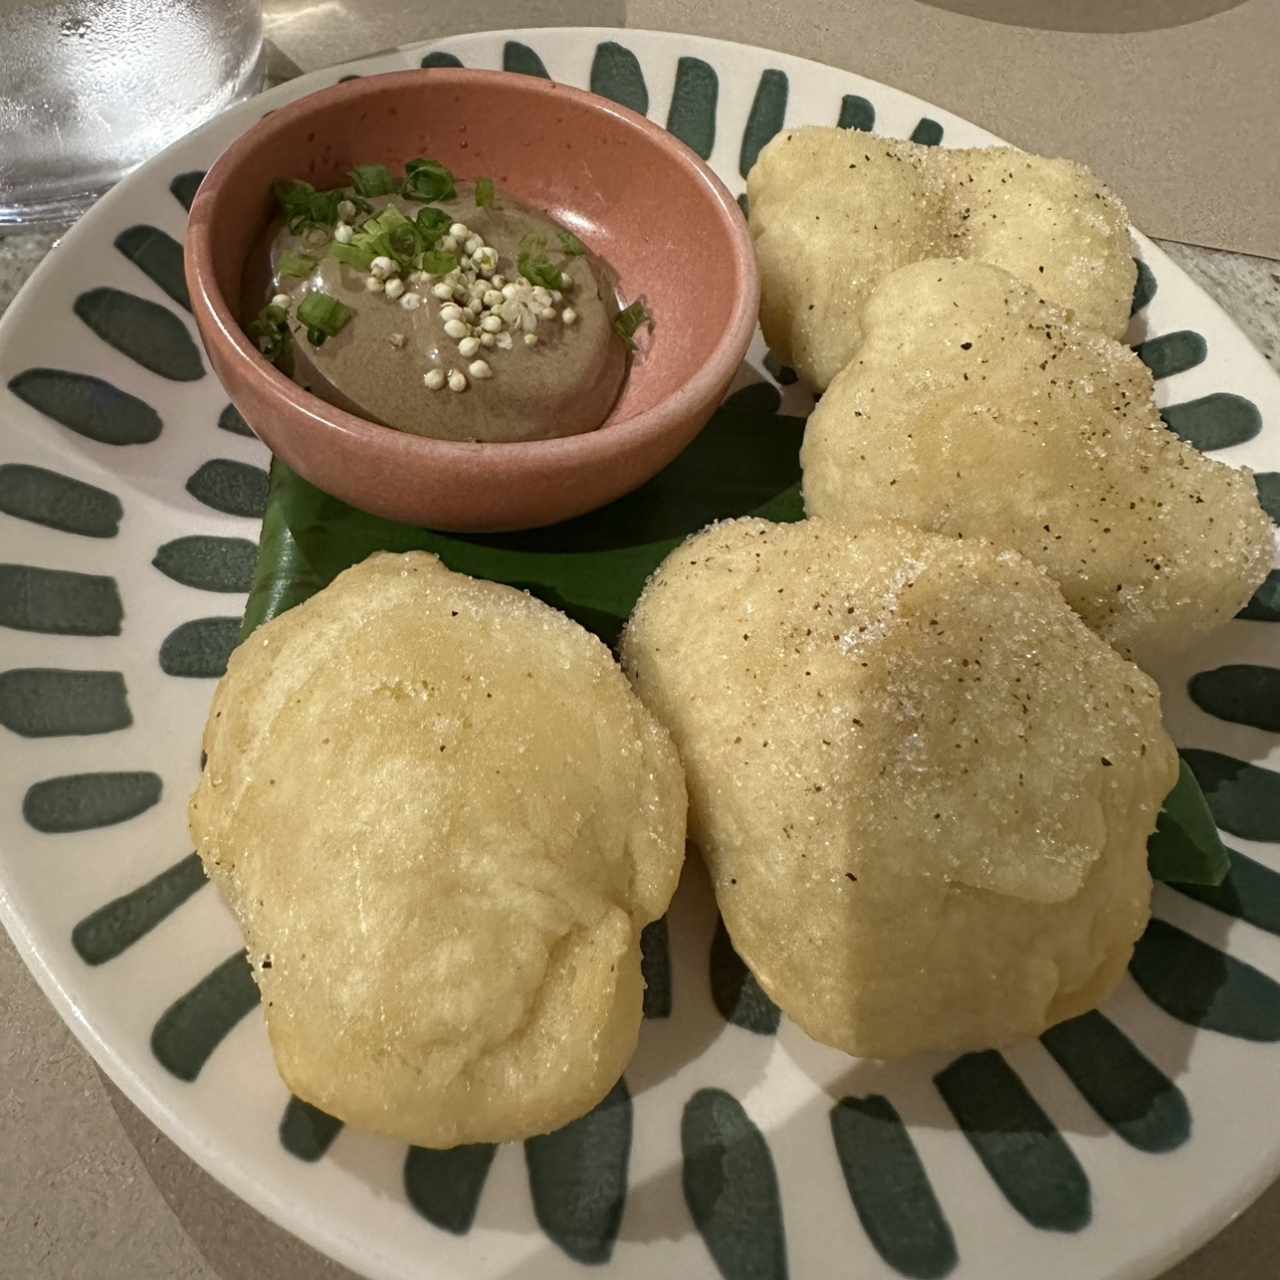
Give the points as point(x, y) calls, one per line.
point(1185, 847)
point(745, 462)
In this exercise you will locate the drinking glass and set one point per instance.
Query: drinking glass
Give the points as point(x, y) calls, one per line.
point(91, 88)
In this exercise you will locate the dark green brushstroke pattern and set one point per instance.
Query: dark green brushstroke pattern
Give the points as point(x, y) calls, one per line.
point(1120, 1083)
point(208, 563)
point(1243, 798)
point(230, 420)
point(745, 462)
point(1205, 987)
point(445, 1186)
point(88, 406)
point(1243, 693)
point(144, 331)
point(578, 1178)
point(768, 111)
point(85, 801)
point(890, 1189)
point(59, 602)
point(1214, 421)
point(928, 133)
point(692, 117)
point(183, 187)
point(616, 74)
point(1265, 605)
point(306, 1131)
point(113, 928)
point(731, 1188)
point(1250, 892)
point(159, 257)
point(1016, 1141)
point(1144, 287)
point(856, 113)
point(736, 993)
point(195, 1024)
point(235, 488)
point(199, 649)
point(520, 58)
point(1172, 352)
point(48, 702)
point(58, 502)
point(655, 966)
point(439, 58)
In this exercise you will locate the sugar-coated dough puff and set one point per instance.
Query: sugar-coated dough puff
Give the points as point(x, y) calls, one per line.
point(442, 818)
point(833, 211)
point(973, 408)
point(922, 786)
point(1049, 222)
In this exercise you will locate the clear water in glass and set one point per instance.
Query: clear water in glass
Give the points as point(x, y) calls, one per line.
point(91, 88)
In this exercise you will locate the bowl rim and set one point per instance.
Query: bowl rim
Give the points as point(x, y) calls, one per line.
point(597, 445)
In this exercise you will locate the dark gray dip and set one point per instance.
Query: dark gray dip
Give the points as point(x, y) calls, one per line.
point(564, 385)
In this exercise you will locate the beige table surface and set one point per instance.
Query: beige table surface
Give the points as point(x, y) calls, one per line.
point(89, 1189)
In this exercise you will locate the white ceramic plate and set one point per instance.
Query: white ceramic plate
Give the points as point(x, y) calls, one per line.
point(1106, 1151)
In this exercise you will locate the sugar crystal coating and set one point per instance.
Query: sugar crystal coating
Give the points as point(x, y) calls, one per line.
point(922, 786)
point(973, 408)
point(833, 211)
point(442, 819)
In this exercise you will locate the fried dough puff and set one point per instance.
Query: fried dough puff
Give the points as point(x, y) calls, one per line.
point(973, 408)
point(442, 819)
point(833, 211)
point(923, 787)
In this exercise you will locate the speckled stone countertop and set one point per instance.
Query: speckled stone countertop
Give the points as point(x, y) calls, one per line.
point(19, 257)
point(91, 1190)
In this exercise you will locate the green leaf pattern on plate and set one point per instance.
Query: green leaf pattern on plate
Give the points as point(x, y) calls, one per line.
point(58, 501)
point(50, 702)
point(1020, 1147)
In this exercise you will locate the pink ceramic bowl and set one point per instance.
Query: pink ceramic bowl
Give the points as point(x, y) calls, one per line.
point(637, 196)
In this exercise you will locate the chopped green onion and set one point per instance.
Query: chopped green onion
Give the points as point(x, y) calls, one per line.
point(427, 180)
point(352, 255)
point(534, 264)
point(485, 193)
point(404, 242)
point(390, 235)
point(570, 244)
point(292, 193)
point(629, 320)
point(437, 263)
point(324, 208)
point(304, 206)
point(372, 180)
point(432, 223)
point(296, 264)
point(270, 332)
point(388, 219)
point(320, 311)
